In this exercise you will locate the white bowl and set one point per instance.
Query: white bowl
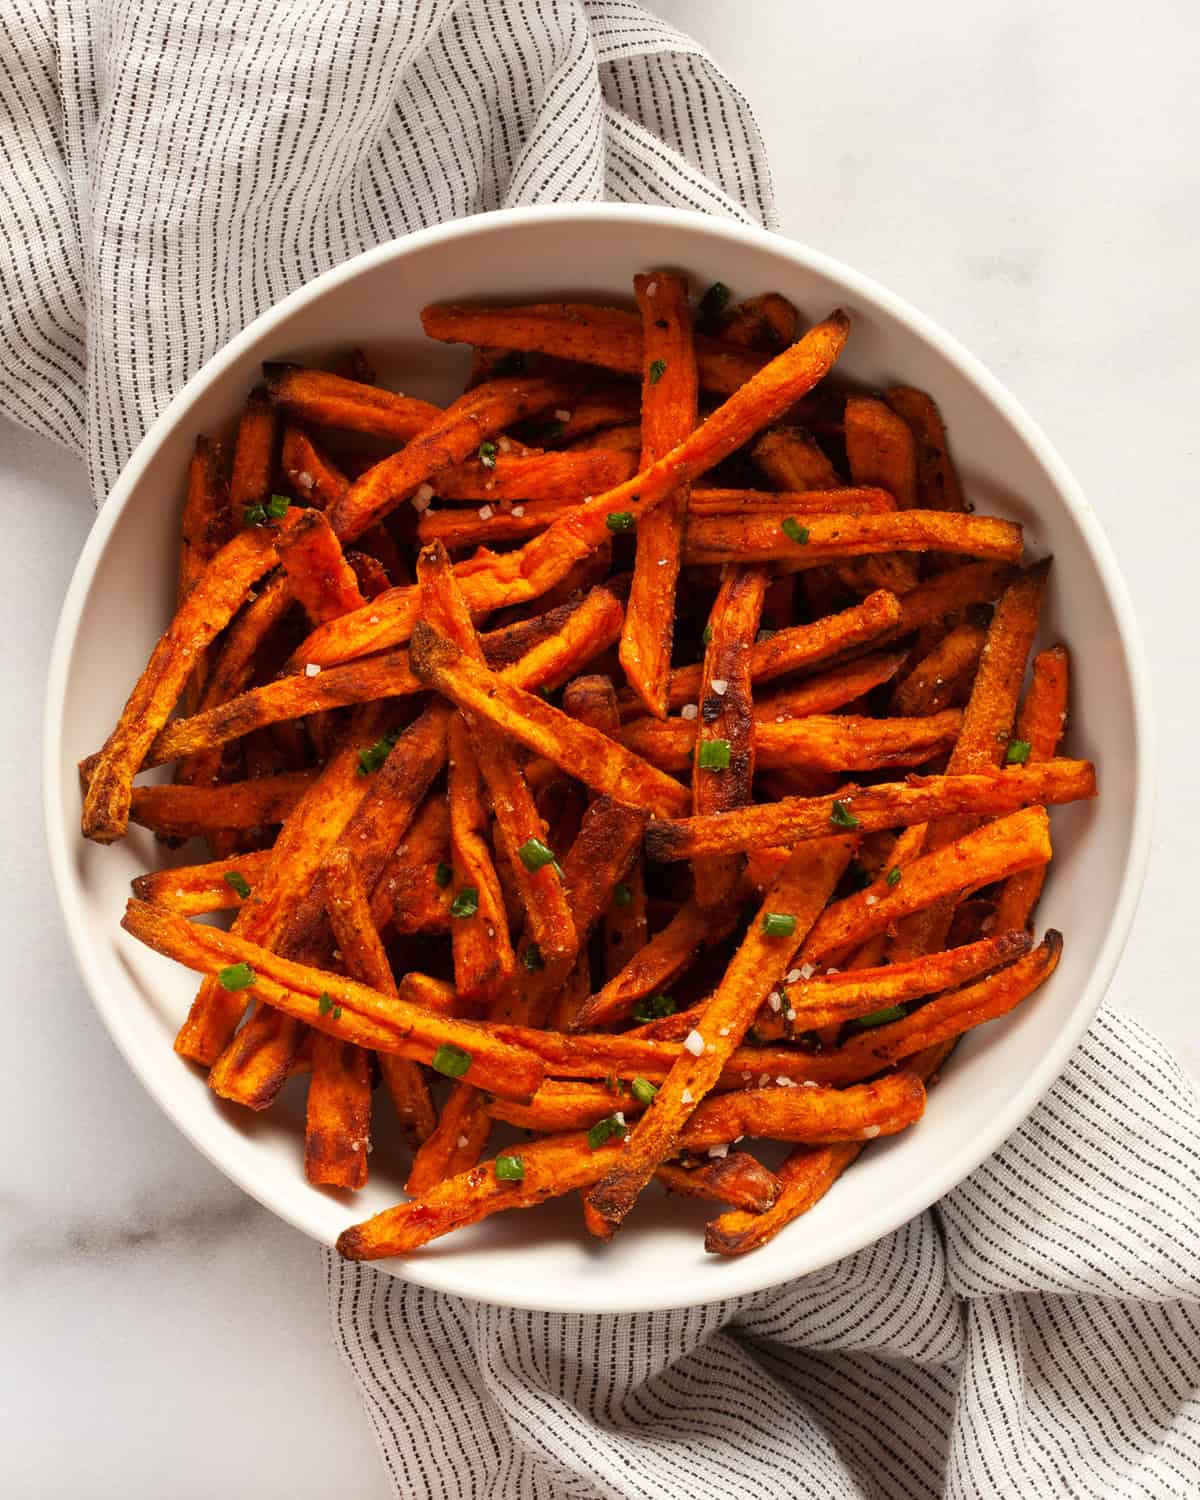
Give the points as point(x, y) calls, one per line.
point(120, 599)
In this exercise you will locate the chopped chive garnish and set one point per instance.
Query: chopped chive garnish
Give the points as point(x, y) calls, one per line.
point(622, 895)
point(893, 876)
point(236, 977)
point(510, 1169)
point(451, 1060)
point(337, 1012)
point(778, 923)
point(793, 530)
point(643, 1090)
point(877, 1018)
point(841, 816)
point(534, 854)
point(373, 756)
point(236, 881)
point(324, 1004)
point(604, 1130)
point(654, 1008)
point(706, 635)
point(1017, 753)
point(658, 368)
point(715, 301)
point(466, 903)
point(254, 515)
point(278, 507)
point(619, 520)
point(442, 874)
point(487, 455)
point(713, 755)
point(532, 958)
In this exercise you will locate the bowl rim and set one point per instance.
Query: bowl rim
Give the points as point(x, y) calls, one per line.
point(739, 1276)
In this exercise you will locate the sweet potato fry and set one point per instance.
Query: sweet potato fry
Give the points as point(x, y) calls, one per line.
point(766, 322)
point(194, 889)
point(955, 589)
point(312, 474)
point(941, 676)
point(754, 538)
point(408, 894)
point(1040, 725)
point(206, 526)
point(404, 1025)
point(887, 805)
point(337, 1129)
point(185, 812)
point(602, 408)
point(837, 742)
point(1014, 842)
point(791, 905)
point(669, 409)
point(534, 476)
point(605, 336)
point(517, 577)
point(520, 831)
point(881, 449)
point(830, 690)
point(210, 605)
point(320, 578)
point(937, 482)
point(737, 1179)
point(801, 646)
point(483, 957)
point(596, 760)
point(456, 433)
point(364, 959)
point(792, 459)
point(461, 527)
point(253, 454)
point(333, 401)
point(559, 1164)
point(806, 1176)
point(778, 505)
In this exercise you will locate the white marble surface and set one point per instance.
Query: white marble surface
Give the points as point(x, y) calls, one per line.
point(1026, 175)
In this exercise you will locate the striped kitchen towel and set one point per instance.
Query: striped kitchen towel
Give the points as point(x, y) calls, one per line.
point(169, 170)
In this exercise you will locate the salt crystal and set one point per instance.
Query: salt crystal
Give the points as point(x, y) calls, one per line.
point(807, 971)
point(791, 976)
point(689, 711)
point(685, 1096)
point(485, 512)
point(870, 1132)
point(619, 1116)
point(422, 495)
point(304, 479)
point(311, 669)
point(651, 288)
point(774, 1000)
point(562, 415)
point(719, 686)
point(463, 1143)
point(372, 619)
point(791, 1014)
point(518, 510)
point(872, 901)
point(810, 1083)
point(784, 1081)
point(724, 1031)
point(718, 1151)
point(694, 1042)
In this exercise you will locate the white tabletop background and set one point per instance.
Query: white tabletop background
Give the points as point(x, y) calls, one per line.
point(1026, 174)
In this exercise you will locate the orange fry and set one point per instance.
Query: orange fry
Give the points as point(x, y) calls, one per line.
point(194, 889)
point(333, 401)
point(321, 579)
point(533, 476)
point(937, 482)
point(185, 812)
point(941, 676)
point(881, 449)
point(483, 955)
point(755, 538)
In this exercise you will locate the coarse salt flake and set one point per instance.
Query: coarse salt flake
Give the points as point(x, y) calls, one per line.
point(485, 512)
point(689, 711)
point(304, 479)
point(422, 495)
point(463, 1143)
point(719, 686)
point(718, 1151)
point(870, 1132)
point(872, 900)
point(372, 619)
point(694, 1042)
point(791, 1014)
point(685, 1096)
point(791, 976)
point(784, 1081)
point(311, 669)
point(518, 510)
point(811, 1083)
point(725, 1030)
point(807, 971)
point(651, 288)
point(619, 1116)
point(562, 415)
point(774, 1000)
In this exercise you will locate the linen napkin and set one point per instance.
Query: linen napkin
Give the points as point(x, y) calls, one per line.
point(170, 170)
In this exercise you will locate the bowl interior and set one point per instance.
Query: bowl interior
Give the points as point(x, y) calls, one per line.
point(121, 597)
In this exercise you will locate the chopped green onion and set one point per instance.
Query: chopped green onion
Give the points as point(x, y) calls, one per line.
point(254, 515)
point(877, 1018)
point(658, 368)
point(778, 923)
point(373, 756)
point(451, 1060)
point(706, 635)
point(466, 903)
point(643, 1090)
point(654, 1008)
point(842, 817)
point(487, 455)
point(534, 854)
point(510, 1169)
point(324, 1004)
point(278, 507)
point(337, 1012)
point(893, 876)
point(715, 301)
point(713, 755)
point(1017, 753)
point(622, 895)
point(619, 520)
point(532, 958)
point(604, 1130)
point(236, 881)
point(236, 977)
point(442, 874)
point(793, 530)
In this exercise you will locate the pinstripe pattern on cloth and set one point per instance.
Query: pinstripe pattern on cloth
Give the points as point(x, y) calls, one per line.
point(169, 170)
point(1035, 1334)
